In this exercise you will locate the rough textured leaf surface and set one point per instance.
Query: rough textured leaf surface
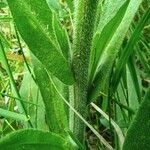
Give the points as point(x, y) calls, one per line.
point(39, 42)
point(112, 47)
point(138, 135)
point(32, 140)
point(54, 106)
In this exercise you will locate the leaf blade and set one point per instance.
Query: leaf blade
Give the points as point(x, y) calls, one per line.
point(33, 140)
point(138, 135)
point(13, 115)
point(41, 45)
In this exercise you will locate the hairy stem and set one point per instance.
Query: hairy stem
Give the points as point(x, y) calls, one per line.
point(85, 14)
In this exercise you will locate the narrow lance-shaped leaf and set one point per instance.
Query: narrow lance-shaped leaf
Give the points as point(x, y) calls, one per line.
point(12, 115)
point(111, 50)
point(55, 111)
point(39, 43)
point(110, 19)
point(135, 77)
point(51, 24)
point(129, 48)
point(99, 73)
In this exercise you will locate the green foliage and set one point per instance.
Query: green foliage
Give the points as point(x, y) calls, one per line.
point(55, 111)
point(51, 25)
point(12, 115)
point(72, 53)
point(105, 64)
point(30, 92)
point(3, 4)
point(54, 5)
point(106, 29)
point(5, 63)
point(39, 42)
point(129, 48)
point(33, 140)
point(138, 135)
point(70, 4)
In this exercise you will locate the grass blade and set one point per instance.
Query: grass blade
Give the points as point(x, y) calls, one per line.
point(4, 60)
point(129, 48)
point(114, 124)
point(13, 115)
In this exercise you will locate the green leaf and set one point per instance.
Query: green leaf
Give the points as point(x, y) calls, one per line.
point(138, 135)
point(70, 4)
point(38, 8)
point(109, 22)
point(32, 140)
point(3, 5)
point(51, 24)
point(30, 92)
point(55, 111)
point(54, 4)
point(62, 38)
point(102, 74)
point(135, 78)
point(99, 70)
point(12, 115)
point(129, 48)
point(132, 97)
point(39, 43)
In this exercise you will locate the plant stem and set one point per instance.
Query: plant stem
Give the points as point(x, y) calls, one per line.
point(85, 14)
